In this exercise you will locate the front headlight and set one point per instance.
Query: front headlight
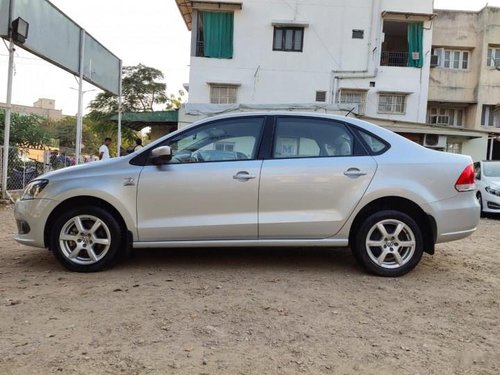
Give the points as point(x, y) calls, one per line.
point(492, 191)
point(33, 189)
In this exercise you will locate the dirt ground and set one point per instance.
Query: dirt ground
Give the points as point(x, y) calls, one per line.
point(251, 311)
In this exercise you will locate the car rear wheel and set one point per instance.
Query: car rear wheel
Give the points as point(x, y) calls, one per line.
point(388, 243)
point(86, 239)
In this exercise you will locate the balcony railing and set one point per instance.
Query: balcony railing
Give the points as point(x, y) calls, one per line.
point(200, 49)
point(390, 58)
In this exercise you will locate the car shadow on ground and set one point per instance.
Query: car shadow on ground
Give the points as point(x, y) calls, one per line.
point(238, 258)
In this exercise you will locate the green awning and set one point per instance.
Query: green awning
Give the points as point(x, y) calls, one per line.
point(140, 120)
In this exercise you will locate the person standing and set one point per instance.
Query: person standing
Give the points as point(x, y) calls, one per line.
point(104, 149)
point(138, 144)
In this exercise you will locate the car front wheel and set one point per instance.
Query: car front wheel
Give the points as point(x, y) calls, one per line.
point(86, 239)
point(388, 243)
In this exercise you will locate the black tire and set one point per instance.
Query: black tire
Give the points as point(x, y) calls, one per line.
point(104, 255)
point(480, 200)
point(392, 265)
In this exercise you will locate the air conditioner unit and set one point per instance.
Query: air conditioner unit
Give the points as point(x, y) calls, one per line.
point(435, 141)
point(434, 61)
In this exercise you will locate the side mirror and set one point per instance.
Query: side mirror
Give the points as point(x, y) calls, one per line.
point(161, 155)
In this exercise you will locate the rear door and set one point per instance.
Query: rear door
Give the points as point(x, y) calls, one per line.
point(317, 173)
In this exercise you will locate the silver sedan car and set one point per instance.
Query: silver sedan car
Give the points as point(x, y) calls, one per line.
point(260, 179)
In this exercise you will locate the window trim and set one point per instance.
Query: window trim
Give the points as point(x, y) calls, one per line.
point(284, 28)
point(358, 148)
point(490, 59)
point(393, 94)
point(144, 158)
point(452, 51)
point(219, 85)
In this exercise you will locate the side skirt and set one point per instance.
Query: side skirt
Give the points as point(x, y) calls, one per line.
point(243, 243)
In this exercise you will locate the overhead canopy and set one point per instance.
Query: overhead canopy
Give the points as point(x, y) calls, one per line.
point(186, 8)
point(140, 120)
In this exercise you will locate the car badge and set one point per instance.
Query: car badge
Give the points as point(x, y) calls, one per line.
point(128, 181)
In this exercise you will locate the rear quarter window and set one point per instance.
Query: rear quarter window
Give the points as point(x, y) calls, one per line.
point(375, 144)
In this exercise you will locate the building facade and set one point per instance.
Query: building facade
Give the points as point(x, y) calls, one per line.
point(42, 107)
point(372, 58)
point(464, 90)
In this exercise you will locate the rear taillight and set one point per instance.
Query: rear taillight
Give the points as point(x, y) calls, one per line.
point(467, 180)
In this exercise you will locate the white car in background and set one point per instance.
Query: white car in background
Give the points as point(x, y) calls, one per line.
point(259, 179)
point(488, 185)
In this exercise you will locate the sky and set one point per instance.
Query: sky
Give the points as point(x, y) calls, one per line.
point(151, 32)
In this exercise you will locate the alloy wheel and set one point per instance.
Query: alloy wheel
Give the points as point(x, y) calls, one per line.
point(85, 239)
point(390, 243)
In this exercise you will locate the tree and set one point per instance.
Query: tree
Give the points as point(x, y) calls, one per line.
point(142, 89)
point(65, 131)
point(26, 130)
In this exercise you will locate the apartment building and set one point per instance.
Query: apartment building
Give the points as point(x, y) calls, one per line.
point(42, 107)
point(371, 58)
point(464, 89)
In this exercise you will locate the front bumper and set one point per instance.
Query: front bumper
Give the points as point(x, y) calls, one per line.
point(456, 217)
point(33, 214)
point(491, 202)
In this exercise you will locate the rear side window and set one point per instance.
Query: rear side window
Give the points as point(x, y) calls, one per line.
point(297, 137)
point(375, 144)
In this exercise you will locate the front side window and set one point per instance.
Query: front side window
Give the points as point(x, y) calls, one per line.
point(392, 103)
point(214, 36)
point(223, 94)
point(306, 138)
point(288, 39)
point(227, 140)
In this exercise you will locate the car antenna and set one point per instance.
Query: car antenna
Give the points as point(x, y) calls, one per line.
point(348, 113)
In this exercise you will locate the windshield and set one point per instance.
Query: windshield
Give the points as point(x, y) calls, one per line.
point(491, 169)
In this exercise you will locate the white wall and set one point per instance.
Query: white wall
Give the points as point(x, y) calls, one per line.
point(273, 77)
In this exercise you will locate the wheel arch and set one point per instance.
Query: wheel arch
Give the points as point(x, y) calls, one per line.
point(426, 222)
point(80, 201)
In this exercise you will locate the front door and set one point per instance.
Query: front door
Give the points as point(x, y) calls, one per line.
point(209, 190)
point(317, 174)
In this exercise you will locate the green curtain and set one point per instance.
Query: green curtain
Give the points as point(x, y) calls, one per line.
point(218, 34)
point(415, 36)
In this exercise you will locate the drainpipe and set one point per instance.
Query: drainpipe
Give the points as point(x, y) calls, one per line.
point(337, 75)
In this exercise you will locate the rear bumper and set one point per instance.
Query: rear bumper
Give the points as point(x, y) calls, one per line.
point(456, 217)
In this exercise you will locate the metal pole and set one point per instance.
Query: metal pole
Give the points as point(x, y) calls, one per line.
point(8, 110)
point(490, 156)
point(79, 117)
point(119, 136)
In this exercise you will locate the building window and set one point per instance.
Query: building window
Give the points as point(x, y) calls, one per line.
point(452, 59)
point(288, 39)
point(490, 116)
point(352, 98)
point(446, 116)
point(454, 147)
point(493, 56)
point(402, 44)
point(392, 103)
point(214, 35)
point(358, 34)
point(223, 94)
point(321, 96)
point(224, 146)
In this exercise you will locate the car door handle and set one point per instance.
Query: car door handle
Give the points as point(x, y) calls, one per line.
point(354, 172)
point(243, 176)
